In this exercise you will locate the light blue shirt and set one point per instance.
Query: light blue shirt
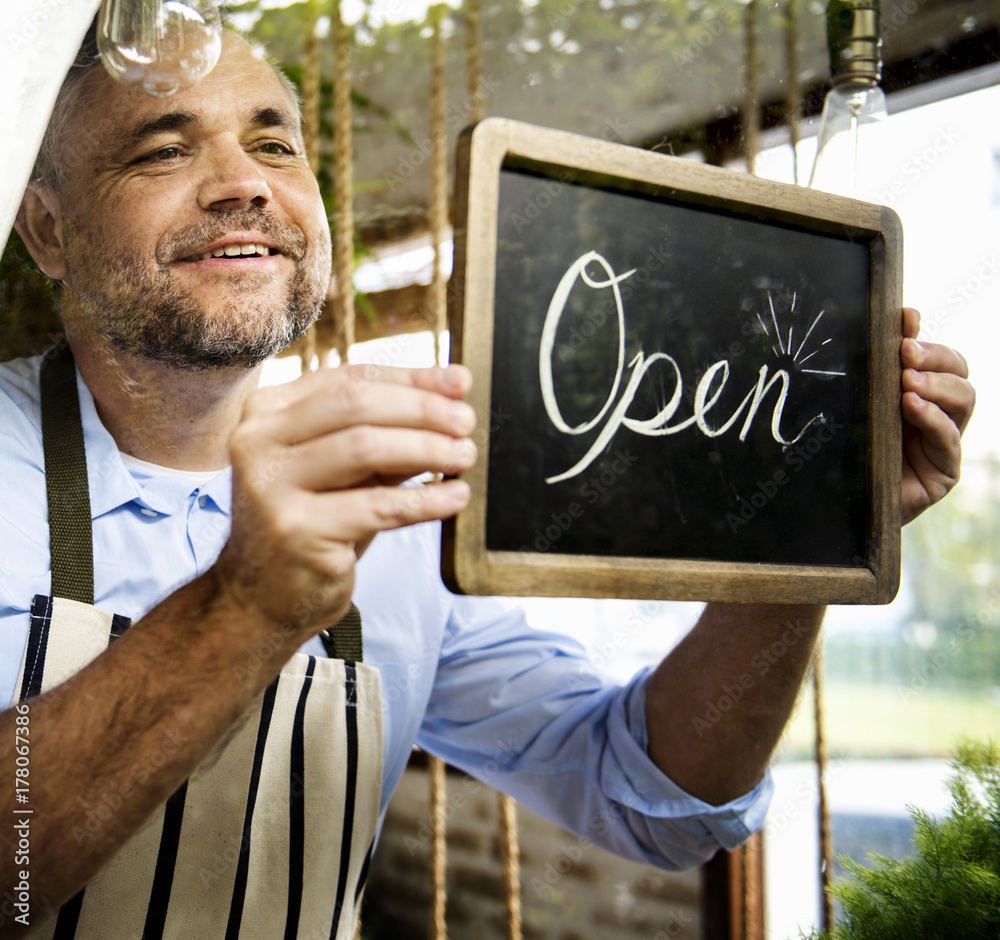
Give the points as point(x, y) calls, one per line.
point(467, 679)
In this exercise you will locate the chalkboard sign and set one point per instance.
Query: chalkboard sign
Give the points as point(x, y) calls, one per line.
point(687, 378)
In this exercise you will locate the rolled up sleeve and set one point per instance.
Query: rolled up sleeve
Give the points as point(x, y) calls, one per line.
point(524, 711)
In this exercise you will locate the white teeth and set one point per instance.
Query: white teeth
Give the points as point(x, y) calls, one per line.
point(233, 251)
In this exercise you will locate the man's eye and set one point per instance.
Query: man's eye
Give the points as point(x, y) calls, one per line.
point(163, 155)
point(275, 148)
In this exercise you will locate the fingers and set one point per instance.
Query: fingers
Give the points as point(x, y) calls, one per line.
point(938, 374)
point(935, 450)
point(316, 468)
point(932, 357)
point(930, 472)
point(937, 404)
point(329, 399)
point(362, 426)
point(361, 512)
point(369, 453)
point(311, 525)
point(454, 381)
point(952, 394)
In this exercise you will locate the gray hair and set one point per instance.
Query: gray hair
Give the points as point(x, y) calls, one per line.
point(48, 164)
point(51, 163)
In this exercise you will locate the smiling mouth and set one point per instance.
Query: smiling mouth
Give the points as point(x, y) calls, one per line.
point(235, 251)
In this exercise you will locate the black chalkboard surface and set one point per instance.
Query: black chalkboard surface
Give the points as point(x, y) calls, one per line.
point(691, 378)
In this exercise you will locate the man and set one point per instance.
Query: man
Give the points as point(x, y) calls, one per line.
point(172, 783)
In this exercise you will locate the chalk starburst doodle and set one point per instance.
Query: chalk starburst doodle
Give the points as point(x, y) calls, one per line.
point(786, 346)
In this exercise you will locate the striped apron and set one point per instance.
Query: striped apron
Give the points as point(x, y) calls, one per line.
point(271, 836)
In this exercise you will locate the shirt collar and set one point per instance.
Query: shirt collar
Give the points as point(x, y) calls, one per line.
point(111, 484)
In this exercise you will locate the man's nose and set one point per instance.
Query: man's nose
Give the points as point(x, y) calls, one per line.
point(233, 179)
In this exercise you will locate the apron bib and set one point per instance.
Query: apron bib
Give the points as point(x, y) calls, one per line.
point(271, 836)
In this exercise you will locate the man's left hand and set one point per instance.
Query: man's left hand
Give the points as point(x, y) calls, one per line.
point(937, 403)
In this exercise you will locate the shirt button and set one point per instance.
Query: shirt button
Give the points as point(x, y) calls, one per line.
point(202, 501)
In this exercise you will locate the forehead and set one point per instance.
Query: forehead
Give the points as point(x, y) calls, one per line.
point(238, 88)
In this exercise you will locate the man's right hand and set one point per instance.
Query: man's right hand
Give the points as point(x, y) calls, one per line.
point(317, 465)
point(316, 471)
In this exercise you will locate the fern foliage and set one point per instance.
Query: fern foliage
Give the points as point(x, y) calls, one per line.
point(948, 890)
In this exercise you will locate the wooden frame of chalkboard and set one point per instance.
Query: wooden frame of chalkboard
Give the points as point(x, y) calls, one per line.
point(687, 378)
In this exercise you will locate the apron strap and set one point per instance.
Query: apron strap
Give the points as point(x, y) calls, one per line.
point(343, 639)
point(71, 542)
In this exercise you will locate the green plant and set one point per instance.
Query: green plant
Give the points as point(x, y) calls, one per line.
point(29, 318)
point(949, 890)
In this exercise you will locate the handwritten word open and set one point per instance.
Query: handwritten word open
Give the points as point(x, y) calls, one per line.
point(614, 413)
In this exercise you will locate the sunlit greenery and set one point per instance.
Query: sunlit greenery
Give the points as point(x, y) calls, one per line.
point(878, 720)
point(950, 888)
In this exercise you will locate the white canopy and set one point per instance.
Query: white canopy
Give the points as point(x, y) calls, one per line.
point(41, 38)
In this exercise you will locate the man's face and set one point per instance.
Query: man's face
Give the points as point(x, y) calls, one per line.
point(192, 226)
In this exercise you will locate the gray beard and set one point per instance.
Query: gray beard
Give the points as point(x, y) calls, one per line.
point(164, 324)
point(147, 315)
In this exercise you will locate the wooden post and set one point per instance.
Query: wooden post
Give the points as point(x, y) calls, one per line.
point(732, 894)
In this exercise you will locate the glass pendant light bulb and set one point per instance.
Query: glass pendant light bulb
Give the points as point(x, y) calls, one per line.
point(852, 123)
point(854, 111)
point(159, 46)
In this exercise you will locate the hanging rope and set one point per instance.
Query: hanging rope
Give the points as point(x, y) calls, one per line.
point(438, 196)
point(825, 830)
point(510, 852)
point(753, 888)
point(437, 211)
point(437, 214)
point(793, 109)
point(793, 97)
point(510, 858)
point(439, 896)
point(343, 189)
point(751, 119)
point(438, 220)
point(310, 86)
point(474, 60)
point(310, 130)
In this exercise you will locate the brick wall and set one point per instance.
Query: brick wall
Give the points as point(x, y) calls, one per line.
point(570, 890)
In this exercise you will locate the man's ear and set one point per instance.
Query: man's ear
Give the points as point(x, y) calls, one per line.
point(39, 223)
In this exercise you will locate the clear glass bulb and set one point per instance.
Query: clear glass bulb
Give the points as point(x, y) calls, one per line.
point(850, 140)
point(159, 46)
